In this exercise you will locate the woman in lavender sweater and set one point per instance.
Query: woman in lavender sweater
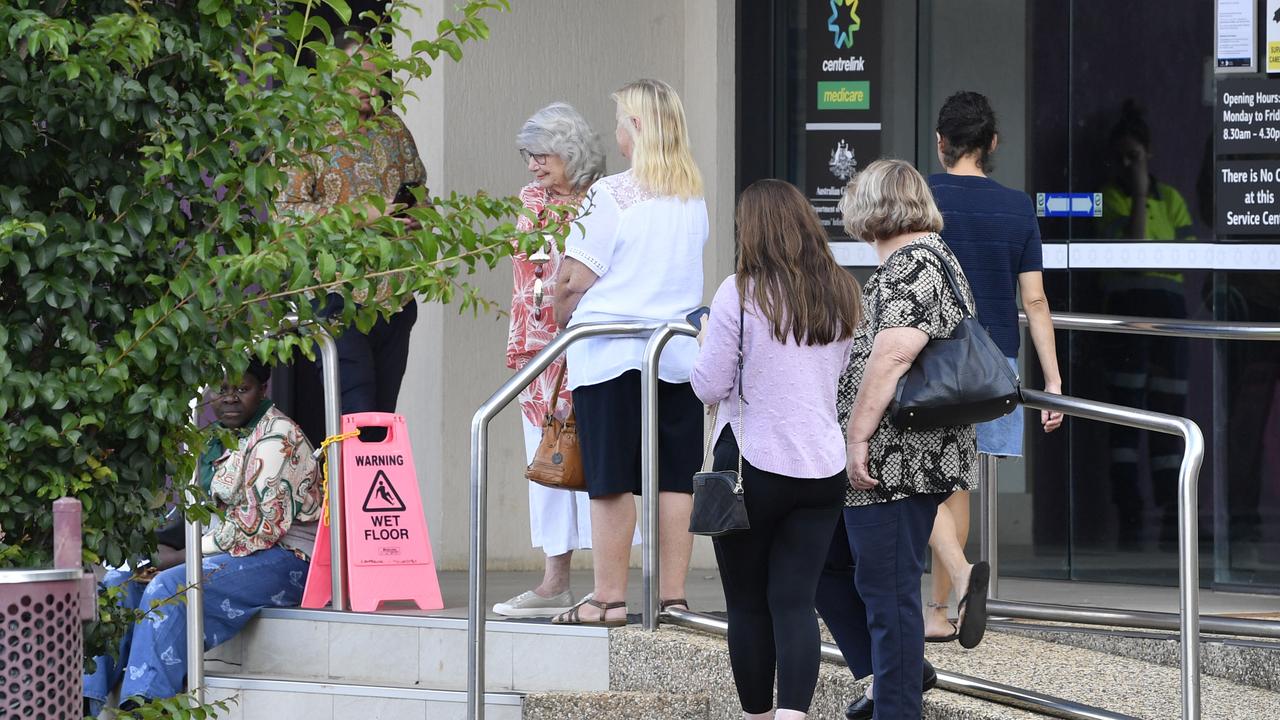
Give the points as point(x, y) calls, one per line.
point(796, 310)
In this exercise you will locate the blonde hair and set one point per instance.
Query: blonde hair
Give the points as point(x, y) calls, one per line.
point(660, 157)
point(887, 199)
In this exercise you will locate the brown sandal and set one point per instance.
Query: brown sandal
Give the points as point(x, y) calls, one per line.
point(573, 615)
point(666, 604)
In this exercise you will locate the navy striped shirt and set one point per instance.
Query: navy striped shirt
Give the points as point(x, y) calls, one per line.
point(993, 232)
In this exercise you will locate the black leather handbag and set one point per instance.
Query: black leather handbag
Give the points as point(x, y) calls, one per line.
point(719, 507)
point(960, 380)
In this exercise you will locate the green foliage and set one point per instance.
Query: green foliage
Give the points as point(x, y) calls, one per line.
point(142, 148)
point(179, 708)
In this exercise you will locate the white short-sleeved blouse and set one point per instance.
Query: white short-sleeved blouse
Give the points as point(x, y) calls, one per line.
point(646, 251)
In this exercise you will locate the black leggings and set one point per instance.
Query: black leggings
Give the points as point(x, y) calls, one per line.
point(770, 576)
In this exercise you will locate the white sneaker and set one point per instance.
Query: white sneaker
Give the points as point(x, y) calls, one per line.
point(530, 604)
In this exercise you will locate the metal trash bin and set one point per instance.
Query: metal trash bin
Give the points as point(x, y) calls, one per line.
point(41, 644)
point(41, 629)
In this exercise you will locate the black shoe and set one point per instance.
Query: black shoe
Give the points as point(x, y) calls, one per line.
point(861, 709)
point(864, 707)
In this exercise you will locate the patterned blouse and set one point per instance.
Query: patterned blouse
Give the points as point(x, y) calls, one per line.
point(267, 484)
point(528, 333)
point(342, 175)
point(909, 290)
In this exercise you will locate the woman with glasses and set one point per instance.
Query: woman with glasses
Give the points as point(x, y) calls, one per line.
point(636, 255)
point(564, 156)
point(267, 490)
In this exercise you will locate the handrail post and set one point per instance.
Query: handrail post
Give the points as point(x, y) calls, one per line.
point(988, 517)
point(333, 458)
point(476, 563)
point(1188, 520)
point(650, 564)
point(1189, 566)
point(480, 487)
point(194, 559)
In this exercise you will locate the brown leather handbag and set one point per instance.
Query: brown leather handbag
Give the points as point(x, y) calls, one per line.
point(558, 461)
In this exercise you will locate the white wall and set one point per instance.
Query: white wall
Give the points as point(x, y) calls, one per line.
point(465, 121)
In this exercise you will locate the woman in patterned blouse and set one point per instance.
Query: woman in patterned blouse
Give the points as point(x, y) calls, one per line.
point(898, 477)
point(564, 156)
point(269, 490)
point(373, 363)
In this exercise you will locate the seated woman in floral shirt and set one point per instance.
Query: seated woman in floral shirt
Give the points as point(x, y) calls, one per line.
point(269, 491)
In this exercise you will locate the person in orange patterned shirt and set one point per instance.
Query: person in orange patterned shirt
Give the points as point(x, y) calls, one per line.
point(372, 363)
point(565, 157)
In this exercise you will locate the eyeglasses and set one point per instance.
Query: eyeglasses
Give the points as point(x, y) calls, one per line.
point(540, 158)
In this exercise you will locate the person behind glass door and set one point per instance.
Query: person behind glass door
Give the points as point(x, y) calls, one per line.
point(1143, 371)
point(869, 593)
point(636, 254)
point(798, 310)
point(993, 232)
point(563, 154)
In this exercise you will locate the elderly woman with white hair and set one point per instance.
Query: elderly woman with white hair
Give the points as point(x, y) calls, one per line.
point(564, 156)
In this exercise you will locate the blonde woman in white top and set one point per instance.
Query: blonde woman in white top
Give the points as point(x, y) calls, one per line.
point(637, 256)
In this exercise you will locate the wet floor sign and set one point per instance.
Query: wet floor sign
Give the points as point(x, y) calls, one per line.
point(387, 546)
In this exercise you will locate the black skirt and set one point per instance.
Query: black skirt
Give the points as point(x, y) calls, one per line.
point(608, 416)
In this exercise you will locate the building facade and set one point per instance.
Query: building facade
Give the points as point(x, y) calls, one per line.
point(810, 90)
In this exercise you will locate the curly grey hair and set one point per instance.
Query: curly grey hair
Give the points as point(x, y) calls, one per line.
point(558, 129)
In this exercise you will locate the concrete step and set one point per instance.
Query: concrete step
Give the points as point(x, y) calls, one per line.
point(683, 661)
point(1120, 684)
point(629, 705)
point(642, 661)
point(413, 651)
point(1247, 661)
point(259, 697)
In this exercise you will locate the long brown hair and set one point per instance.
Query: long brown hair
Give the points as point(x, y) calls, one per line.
point(783, 250)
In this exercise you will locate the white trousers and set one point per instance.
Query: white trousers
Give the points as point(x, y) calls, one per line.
point(559, 520)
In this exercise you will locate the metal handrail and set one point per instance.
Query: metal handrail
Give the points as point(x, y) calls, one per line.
point(650, 568)
point(195, 589)
point(1146, 619)
point(953, 682)
point(1174, 327)
point(1188, 484)
point(1125, 325)
point(1116, 324)
point(510, 390)
point(1188, 520)
point(194, 556)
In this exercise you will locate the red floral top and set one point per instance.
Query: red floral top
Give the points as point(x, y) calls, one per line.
point(528, 333)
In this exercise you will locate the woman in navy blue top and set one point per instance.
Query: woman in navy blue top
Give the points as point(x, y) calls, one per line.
point(992, 231)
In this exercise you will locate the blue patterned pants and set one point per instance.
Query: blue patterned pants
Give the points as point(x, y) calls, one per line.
point(153, 653)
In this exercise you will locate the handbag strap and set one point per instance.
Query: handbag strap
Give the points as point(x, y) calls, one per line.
point(949, 273)
point(715, 409)
point(555, 394)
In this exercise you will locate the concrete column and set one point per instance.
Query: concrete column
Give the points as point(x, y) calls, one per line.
point(465, 121)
